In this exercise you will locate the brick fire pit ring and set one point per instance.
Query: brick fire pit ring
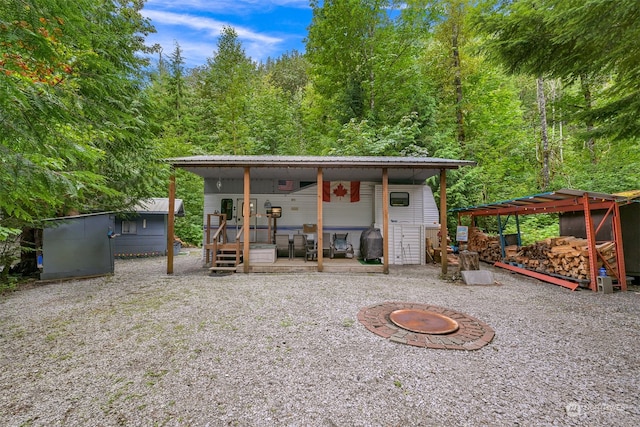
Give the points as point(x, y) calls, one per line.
point(470, 334)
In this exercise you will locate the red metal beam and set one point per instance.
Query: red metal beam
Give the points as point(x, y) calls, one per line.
point(540, 276)
point(569, 205)
point(591, 244)
point(617, 229)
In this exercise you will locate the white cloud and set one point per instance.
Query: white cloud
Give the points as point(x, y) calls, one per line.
point(265, 28)
point(198, 36)
point(226, 6)
point(209, 26)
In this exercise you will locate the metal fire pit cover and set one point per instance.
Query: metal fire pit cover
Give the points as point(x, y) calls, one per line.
point(423, 322)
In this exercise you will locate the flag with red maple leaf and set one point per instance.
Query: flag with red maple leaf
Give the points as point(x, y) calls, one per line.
point(341, 191)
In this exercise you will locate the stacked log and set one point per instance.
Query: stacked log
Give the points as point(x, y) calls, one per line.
point(487, 247)
point(565, 256)
point(569, 257)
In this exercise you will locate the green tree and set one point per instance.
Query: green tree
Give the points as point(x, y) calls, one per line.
point(73, 134)
point(593, 44)
point(289, 72)
point(363, 59)
point(274, 124)
point(225, 93)
point(172, 94)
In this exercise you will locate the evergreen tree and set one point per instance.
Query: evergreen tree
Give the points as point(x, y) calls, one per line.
point(73, 134)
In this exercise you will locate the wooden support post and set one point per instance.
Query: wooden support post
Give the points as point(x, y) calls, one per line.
point(246, 212)
point(443, 220)
point(385, 220)
point(319, 237)
point(170, 220)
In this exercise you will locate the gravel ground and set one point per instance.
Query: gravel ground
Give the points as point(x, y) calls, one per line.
point(143, 348)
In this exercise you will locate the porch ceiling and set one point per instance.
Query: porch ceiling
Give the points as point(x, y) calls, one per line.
point(304, 168)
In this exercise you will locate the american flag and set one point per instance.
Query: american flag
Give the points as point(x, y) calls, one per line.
point(285, 185)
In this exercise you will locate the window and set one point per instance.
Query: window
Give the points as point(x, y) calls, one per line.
point(129, 227)
point(399, 199)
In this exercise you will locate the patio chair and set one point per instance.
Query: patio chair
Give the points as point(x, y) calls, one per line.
point(340, 245)
point(311, 248)
point(299, 245)
point(282, 245)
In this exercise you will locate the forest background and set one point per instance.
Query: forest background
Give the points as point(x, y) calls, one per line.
point(542, 94)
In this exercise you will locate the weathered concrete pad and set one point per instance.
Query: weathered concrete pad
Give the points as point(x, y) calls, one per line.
point(477, 277)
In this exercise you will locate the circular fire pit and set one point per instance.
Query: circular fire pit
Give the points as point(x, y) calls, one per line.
point(424, 322)
point(426, 325)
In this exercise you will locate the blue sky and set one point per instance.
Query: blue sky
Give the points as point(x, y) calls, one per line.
point(266, 28)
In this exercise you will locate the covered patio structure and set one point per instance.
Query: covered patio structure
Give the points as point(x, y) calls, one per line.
point(317, 169)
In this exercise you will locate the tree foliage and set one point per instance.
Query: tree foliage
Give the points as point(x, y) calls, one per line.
point(73, 128)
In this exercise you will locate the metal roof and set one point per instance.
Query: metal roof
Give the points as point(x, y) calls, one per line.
point(353, 168)
point(631, 195)
point(158, 205)
point(553, 201)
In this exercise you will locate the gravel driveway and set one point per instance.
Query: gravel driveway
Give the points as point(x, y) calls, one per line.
point(143, 348)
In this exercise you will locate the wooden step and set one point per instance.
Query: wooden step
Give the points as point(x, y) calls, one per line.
point(227, 255)
point(228, 247)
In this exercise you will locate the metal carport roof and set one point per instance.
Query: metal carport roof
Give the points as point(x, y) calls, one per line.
point(553, 201)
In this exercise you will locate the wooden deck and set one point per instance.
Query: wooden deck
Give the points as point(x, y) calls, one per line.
point(336, 265)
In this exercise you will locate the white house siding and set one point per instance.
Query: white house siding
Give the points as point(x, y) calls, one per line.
point(431, 211)
point(298, 208)
point(409, 226)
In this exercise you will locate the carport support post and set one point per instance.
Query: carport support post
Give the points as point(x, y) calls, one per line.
point(591, 243)
point(246, 223)
point(319, 239)
point(617, 233)
point(443, 220)
point(385, 220)
point(171, 218)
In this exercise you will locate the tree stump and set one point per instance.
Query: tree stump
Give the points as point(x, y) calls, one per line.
point(469, 261)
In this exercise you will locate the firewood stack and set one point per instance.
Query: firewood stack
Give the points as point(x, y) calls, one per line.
point(565, 256)
point(487, 247)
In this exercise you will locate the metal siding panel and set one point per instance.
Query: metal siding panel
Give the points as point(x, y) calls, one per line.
point(396, 232)
point(411, 244)
point(422, 206)
point(431, 211)
point(629, 215)
point(77, 247)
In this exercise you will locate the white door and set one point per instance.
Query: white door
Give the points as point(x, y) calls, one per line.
point(406, 244)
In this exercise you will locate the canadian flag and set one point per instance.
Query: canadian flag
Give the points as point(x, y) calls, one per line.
point(341, 191)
